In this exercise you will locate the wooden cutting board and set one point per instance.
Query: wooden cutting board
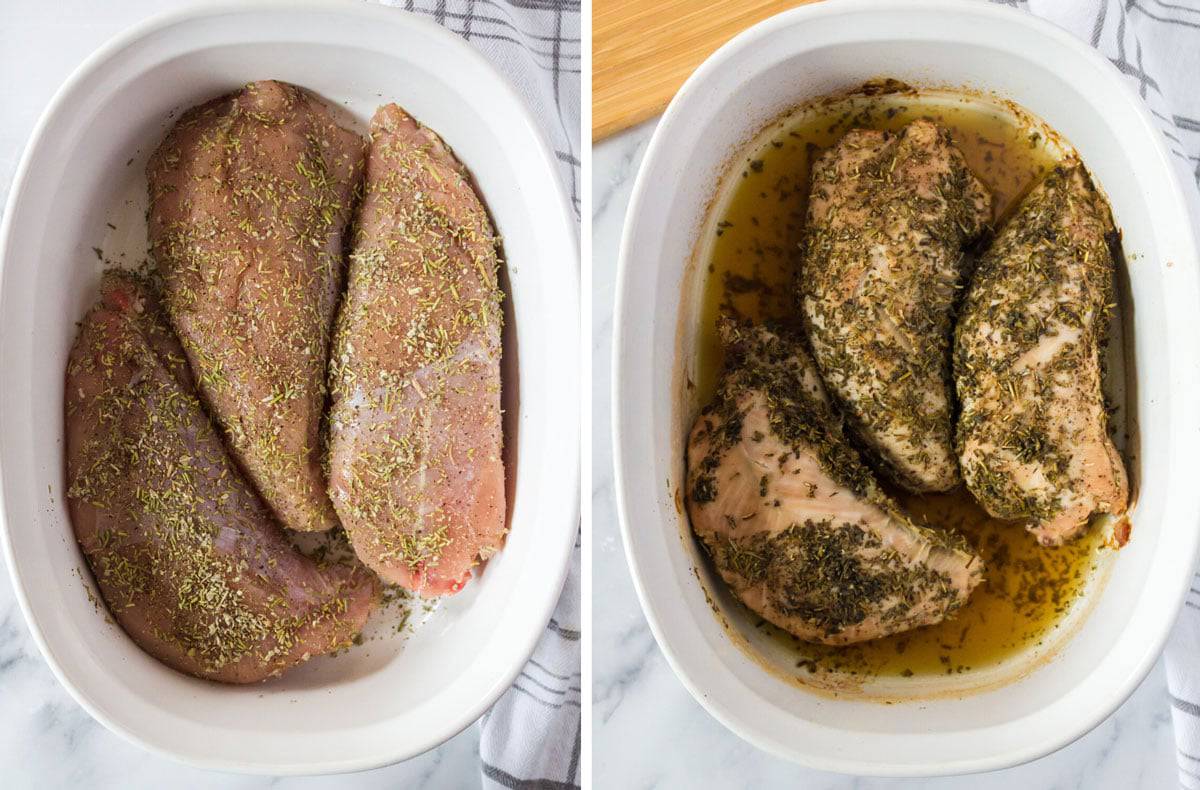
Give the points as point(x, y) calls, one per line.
point(643, 50)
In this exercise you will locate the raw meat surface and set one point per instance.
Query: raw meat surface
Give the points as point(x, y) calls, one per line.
point(416, 472)
point(189, 560)
point(250, 198)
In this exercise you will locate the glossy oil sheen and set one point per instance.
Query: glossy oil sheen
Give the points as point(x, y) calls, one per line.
point(751, 258)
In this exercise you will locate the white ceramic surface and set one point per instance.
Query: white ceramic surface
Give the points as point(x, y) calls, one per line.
point(389, 699)
point(806, 53)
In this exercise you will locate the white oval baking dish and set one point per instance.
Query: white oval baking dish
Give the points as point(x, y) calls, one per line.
point(829, 47)
point(391, 698)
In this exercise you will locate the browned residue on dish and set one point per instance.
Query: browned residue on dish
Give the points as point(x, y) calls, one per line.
point(698, 363)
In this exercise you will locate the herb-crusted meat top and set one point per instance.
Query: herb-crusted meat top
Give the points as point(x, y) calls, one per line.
point(188, 558)
point(882, 265)
point(795, 522)
point(1033, 432)
point(250, 197)
point(416, 472)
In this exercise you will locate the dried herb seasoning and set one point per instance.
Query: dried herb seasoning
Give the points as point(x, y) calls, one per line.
point(1028, 590)
point(1033, 434)
point(853, 570)
point(186, 556)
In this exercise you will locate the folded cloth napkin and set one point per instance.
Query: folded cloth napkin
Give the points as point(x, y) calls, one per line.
point(1156, 44)
point(531, 736)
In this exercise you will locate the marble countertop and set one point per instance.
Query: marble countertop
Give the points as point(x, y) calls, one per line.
point(647, 730)
point(46, 740)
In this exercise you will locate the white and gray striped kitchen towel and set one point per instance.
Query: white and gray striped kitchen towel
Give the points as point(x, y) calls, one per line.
point(1156, 44)
point(531, 736)
point(536, 44)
